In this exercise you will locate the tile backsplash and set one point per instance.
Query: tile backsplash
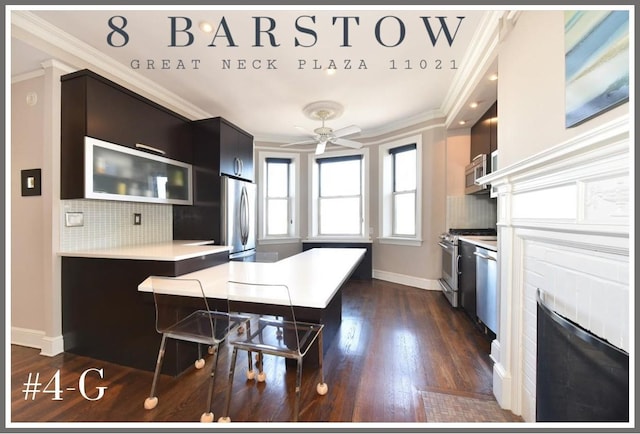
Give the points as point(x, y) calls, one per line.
point(110, 224)
point(471, 211)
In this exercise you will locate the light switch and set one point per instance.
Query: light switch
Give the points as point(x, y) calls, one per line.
point(31, 182)
point(137, 219)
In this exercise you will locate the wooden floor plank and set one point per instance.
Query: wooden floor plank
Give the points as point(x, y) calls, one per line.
point(394, 342)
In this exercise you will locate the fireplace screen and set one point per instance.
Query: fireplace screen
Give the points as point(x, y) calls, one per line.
point(579, 377)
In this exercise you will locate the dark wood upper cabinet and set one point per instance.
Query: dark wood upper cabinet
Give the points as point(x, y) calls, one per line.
point(93, 106)
point(484, 135)
point(221, 146)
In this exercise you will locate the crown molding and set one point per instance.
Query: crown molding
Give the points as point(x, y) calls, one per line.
point(27, 76)
point(482, 52)
point(65, 48)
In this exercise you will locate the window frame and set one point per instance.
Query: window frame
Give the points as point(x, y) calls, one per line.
point(387, 192)
point(314, 196)
point(293, 235)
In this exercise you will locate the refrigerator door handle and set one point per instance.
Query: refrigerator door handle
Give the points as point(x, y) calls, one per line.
point(244, 216)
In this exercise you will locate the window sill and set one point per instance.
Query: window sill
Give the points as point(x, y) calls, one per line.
point(266, 241)
point(415, 242)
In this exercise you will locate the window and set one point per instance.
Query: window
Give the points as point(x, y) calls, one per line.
point(400, 193)
point(403, 166)
point(339, 195)
point(278, 207)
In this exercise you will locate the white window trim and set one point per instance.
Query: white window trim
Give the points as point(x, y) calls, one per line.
point(385, 200)
point(294, 236)
point(313, 196)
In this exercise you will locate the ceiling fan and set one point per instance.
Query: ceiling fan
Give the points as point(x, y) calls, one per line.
point(323, 135)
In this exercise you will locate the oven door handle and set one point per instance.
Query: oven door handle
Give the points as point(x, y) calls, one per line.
point(445, 246)
point(458, 264)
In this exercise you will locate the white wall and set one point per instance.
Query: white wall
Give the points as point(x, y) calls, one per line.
point(420, 265)
point(27, 226)
point(531, 88)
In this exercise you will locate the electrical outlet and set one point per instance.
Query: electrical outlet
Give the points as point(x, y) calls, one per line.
point(72, 219)
point(137, 219)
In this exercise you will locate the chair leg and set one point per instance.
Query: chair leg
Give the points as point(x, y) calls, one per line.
point(232, 370)
point(152, 400)
point(320, 356)
point(262, 377)
point(296, 406)
point(214, 367)
point(199, 363)
point(250, 374)
point(321, 387)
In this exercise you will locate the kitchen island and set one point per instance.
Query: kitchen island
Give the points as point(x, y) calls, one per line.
point(109, 315)
point(314, 278)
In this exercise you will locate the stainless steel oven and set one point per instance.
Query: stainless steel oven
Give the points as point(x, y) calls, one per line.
point(451, 261)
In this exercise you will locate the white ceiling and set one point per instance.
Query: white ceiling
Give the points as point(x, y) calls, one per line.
point(268, 103)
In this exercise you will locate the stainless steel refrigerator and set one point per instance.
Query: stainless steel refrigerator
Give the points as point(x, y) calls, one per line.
point(239, 218)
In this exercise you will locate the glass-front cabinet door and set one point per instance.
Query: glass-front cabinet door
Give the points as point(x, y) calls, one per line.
point(115, 172)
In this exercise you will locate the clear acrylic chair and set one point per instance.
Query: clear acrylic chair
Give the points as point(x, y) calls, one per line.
point(183, 313)
point(279, 335)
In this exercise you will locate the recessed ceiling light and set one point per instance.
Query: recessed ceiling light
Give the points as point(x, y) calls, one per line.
point(473, 104)
point(462, 122)
point(205, 27)
point(493, 77)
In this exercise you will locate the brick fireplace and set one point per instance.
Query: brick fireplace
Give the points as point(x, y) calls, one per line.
point(563, 227)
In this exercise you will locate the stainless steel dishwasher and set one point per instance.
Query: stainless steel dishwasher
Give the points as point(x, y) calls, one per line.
point(487, 287)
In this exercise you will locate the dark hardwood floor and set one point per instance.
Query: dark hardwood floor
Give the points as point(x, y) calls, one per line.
point(394, 342)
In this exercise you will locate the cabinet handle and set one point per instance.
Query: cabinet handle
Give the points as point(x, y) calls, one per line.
point(149, 148)
point(241, 166)
point(480, 255)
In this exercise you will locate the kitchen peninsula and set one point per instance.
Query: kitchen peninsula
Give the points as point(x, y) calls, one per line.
point(108, 314)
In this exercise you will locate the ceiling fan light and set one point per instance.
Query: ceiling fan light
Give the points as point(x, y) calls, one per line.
point(321, 147)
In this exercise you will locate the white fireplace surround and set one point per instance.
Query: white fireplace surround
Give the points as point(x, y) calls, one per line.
point(564, 220)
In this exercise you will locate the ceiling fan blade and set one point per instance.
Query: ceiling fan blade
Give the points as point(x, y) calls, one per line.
point(347, 143)
point(321, 147)
point(347, 131)
point(302, 142)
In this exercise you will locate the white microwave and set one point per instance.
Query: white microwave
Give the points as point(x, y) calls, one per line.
point(475, 170)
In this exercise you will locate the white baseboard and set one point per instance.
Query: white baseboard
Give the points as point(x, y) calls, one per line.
point(49, 346)
point(403, 279)
point(502, 387)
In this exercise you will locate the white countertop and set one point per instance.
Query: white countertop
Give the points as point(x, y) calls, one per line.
point(488, 242)
point(313, 276)
point(176, 250)
point(485, 241)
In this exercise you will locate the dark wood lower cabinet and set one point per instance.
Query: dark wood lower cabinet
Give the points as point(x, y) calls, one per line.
point(104, 316)
point(467, 278)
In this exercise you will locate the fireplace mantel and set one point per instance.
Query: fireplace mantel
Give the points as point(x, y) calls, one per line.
point(563, 227)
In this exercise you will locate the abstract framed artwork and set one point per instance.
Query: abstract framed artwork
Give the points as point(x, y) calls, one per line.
point(596, 63)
